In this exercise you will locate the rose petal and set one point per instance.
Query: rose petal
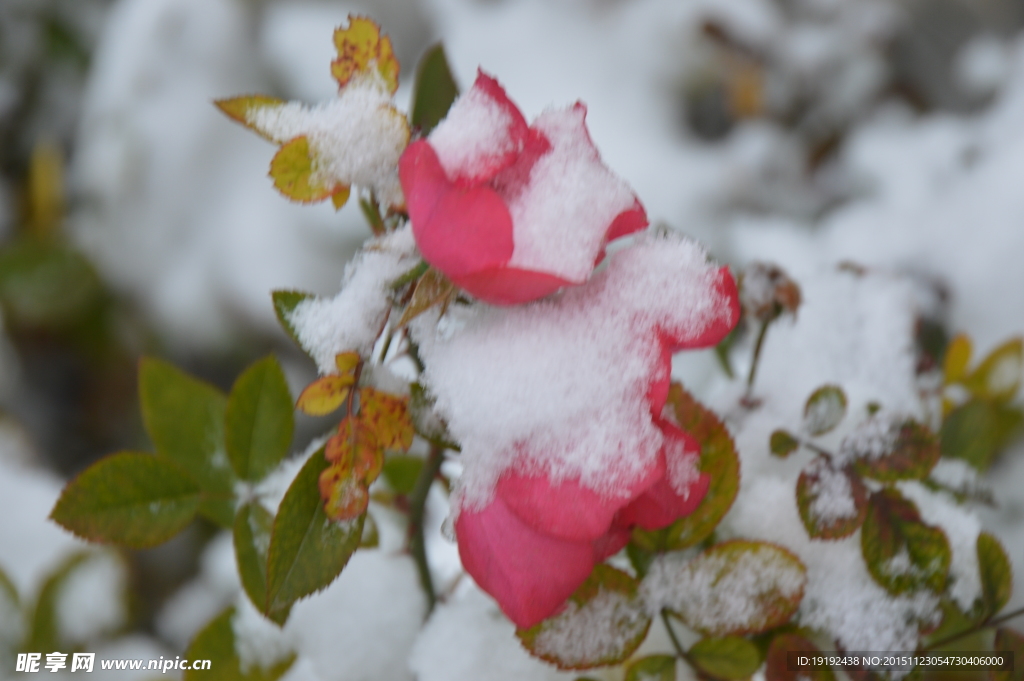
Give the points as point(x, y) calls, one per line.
point(627, 222)
point(611, 543)
point(458, 231)
point(483, 133)
point(530, 574)
point(725, 316)
point(663, 502)
point(510, 285)
point(567, 510)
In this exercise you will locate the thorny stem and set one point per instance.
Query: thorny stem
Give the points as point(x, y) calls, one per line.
point(417, 507)
point(757, 355)
point(987, 623)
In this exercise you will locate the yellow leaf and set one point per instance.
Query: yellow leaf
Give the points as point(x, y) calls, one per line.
point(363, 51)
point(958, 354)
point(340, 197)
point(431, 289)
point(294, 171)
point(388, 416)
point(346, 362)
point(344, 496)
point(356, 448)
point(45, 188)
point(324, 395)
point(999, 375)
point(241, 108)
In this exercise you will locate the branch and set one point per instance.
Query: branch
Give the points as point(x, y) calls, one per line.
point(417, 507)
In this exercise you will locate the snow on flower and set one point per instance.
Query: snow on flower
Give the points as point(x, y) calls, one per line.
point(557, 407)
point(508, 211)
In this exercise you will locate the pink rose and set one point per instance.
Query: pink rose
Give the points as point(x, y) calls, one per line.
point(512, 212)
point(539, 536)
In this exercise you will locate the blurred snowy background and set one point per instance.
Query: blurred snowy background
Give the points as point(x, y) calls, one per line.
point(136, 219)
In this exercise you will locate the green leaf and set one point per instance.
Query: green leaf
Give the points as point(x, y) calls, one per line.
point(253, 525)
point(955, 626)
point(258, 420)
point(777, 663)
point(307, 549)
point(782, 443)
point(285, 303)
point(402, 471)
point(824, 409)
point(832, 502)
point(977, 431)
point(912, 457)
point(216, 643)
point(731, 658)
point(996, 573)
point(129, 499)
point(46, 284)
point(435, 90)
point(570, 640)
point(371, 535)
point(185, 419)
point(1009, 641)
point(902, 552)
point(767, 579)
point(652, 668)
point(998, 376)
point(718, 459)
point(44, 629)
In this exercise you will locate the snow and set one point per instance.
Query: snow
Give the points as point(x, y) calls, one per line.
point(560, 216)
point(560, 386)
point(353, 319)
point(609, 621)
point(355, 139)
point(722, 592)
point(468, 639)
point(831, 492)
point(872, 439)
point(840, 597)
point(259, 642)
point(93, 601)
point(476, 129)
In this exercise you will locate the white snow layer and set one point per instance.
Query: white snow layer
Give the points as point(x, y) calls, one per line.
point(559, 387)
point(353, 318)
point(468, 638)
point(475, 131)
point(355, 139)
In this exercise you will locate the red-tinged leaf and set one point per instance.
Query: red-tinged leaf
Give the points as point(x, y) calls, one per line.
point(902, 552)
point(718, 459)
point(731, 658)
point(824, 409)
point(767, 579)
point(1009, 641)
point(356, 449)
point(570, 640)
point(325, 394)
point(777, 661)
point(652, 668)
point(999, 375)
point(295, 173)
point(911, 451)
point(388, 416)
point(216, 643)
point(241, 109)
point(433, 288)
point(958, 354)
point(832, 502)
point(345, 495)
point(996, 573)
point(364, 52)
point(129, 499)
